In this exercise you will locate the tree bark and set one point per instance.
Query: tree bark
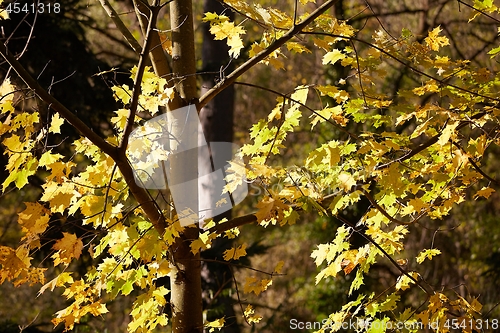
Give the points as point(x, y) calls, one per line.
point(158, 57)
point(185, 276)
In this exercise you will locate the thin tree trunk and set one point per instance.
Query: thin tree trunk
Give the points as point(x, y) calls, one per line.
point(217, 122)
point(185, 277)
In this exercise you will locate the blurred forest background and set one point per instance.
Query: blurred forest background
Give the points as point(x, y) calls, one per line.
point(66, 50)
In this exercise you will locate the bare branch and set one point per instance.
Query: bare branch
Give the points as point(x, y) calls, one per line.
point(159, 58)
point(134, 44)
point(479, 11)
point(233, 223)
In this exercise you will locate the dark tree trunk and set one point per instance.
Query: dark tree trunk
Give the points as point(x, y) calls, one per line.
point(217, 122)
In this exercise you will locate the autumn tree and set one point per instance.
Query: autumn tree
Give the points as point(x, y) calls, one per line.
point(418, 152)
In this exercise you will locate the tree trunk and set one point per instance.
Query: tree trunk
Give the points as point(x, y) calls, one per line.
point(217, 122)
point(185, 277)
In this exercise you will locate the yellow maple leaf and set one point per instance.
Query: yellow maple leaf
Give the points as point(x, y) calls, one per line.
point(55, 125)
point(4, 15)
point(48, 158)
point(35, 218)
point(427, 254)
point(166, 43)
point(122, 93)
point(59, 195)
point(333, 56)
point(20, 176)
point(219, 323)
point(228, 30)
point(270, 210)
point(59, 170)
point(255, 49)
point(13, 143)
point(250, 315)
point(235, 45)
point(327, 113)
point(429, 87)
point(434, 41)
point(6, 93)
point(346, 181)
point(253, 284)
point(58, 281)
point(203, 242)
point(236, 252)
point(214, 18)
point(475, 305)
point(11, 264)
point(447, 133)
point(297, 47)
point(120, 120)
point(404, 281)
point(350, 261)
point(279, 267)
point(67, 248)
point(484, 192)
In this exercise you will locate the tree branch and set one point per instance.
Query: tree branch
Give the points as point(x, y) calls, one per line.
point(57, 106)
point(386, 214)
point(147, 204)
point(295, 30)
point(394, 262)
point(475, 166)
point(139, 193)
point(416, 70)
point(233, 223)
point(134, 44)
point(285, 96)
point(428, 143)
point(158, 56)
point(134, 103)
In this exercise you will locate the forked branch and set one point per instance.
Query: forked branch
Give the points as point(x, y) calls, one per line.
point(134, 44)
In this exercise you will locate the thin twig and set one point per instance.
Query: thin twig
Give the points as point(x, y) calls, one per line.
point(238, 296)
point(479, 10)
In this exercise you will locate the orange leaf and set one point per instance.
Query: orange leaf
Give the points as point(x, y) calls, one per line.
point(68, 247)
